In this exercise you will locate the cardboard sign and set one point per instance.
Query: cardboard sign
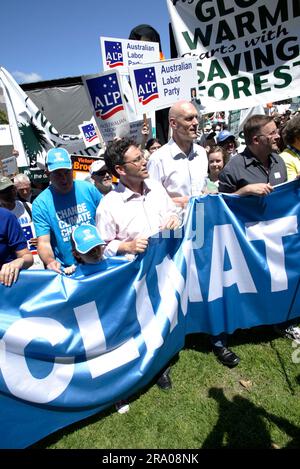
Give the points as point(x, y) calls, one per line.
point(9, 166)
point(106, 99)
point(81, 166)
point(122, 53)
point(159, 85)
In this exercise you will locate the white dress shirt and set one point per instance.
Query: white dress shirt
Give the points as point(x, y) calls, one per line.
point(180, 174)
point(123, 215)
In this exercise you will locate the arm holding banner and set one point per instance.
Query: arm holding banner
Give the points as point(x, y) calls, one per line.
point(10, 271)
point(46, 254)
point(255, 189)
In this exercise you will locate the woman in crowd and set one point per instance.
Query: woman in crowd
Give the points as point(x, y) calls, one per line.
point(152, 145)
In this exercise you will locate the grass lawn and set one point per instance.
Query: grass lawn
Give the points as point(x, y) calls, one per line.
point(255, 405)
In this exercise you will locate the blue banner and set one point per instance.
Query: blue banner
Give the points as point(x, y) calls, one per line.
point(70, 347)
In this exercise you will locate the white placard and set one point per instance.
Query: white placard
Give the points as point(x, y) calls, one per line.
point(89, 134)
point(5, 135)
point(159, 85)
point(106, 99)
point(123, 53)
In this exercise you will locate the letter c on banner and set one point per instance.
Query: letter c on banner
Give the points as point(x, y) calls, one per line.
point(15, 371)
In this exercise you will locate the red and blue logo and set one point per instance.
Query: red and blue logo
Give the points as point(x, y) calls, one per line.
point(113, 54)
point(146, 84)
point(89, 132)
point(105, 95)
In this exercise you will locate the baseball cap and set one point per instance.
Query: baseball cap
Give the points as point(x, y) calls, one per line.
point(86, 237)
point(97, 166)
point(5, 182)
point(224, 135)
point(58, 158)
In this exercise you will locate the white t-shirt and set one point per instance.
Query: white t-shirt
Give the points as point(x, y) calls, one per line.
point(180, 174)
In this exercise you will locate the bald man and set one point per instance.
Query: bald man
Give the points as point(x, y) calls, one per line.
point(180, 165)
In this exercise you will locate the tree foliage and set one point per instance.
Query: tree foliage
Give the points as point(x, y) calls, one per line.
point(3, 117)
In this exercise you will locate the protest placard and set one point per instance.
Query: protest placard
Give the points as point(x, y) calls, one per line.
point(247, 51)
point(122, 53)
point(107, 102)
point(159, 85)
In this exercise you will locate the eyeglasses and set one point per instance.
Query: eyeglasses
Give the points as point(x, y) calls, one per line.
point(136, 161)
point(271, 134)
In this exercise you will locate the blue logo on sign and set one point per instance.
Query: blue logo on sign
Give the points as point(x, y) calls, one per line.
point(89, 132)
point(146, 84)
point(113, 54)
point(105, 95)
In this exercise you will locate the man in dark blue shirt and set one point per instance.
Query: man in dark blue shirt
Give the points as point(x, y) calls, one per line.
point(14, 254)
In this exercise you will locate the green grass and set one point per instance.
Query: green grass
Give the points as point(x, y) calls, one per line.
point(207, 407)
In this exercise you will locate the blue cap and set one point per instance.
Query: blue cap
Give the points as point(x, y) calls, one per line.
point(86, 237)
point(224, 135)
point(58, 158)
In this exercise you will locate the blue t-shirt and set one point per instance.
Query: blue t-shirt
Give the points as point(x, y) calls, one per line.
point(58, 214)
point(12, 238)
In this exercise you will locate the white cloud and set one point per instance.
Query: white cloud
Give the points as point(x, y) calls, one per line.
point(23, 77)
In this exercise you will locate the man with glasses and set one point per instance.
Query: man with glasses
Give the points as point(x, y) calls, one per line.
point(227, 141)
point(259, 167)
point(136, 209)
point(255, 172)
point(101, 177)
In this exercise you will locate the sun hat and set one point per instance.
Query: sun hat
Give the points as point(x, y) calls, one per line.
point(5, 183)
point(97, 166)
point(86, 237)
point(58, 158)
point(224, 135)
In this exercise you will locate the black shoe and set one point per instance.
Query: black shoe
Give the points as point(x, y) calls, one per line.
point(164, 381)
point(226, 356)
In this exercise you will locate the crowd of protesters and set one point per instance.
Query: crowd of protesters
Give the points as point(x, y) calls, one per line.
point(153, 183)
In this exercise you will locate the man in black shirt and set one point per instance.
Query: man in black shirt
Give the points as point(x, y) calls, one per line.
point(255, 171)
point(259, 167)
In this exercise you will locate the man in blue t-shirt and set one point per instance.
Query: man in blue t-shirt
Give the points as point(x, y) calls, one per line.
point(64, 205)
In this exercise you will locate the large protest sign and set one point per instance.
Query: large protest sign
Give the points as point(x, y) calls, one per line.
point(107, 102)
point(247, 51)
point(122, 53)
point(159, 85)
point(72, 346)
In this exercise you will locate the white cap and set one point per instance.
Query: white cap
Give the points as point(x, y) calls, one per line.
point(97, 166)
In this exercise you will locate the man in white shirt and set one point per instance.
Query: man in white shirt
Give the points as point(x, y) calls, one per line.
point(135, 210)
point(181, 165)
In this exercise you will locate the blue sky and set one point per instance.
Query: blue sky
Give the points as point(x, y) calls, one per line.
point(60, 38)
